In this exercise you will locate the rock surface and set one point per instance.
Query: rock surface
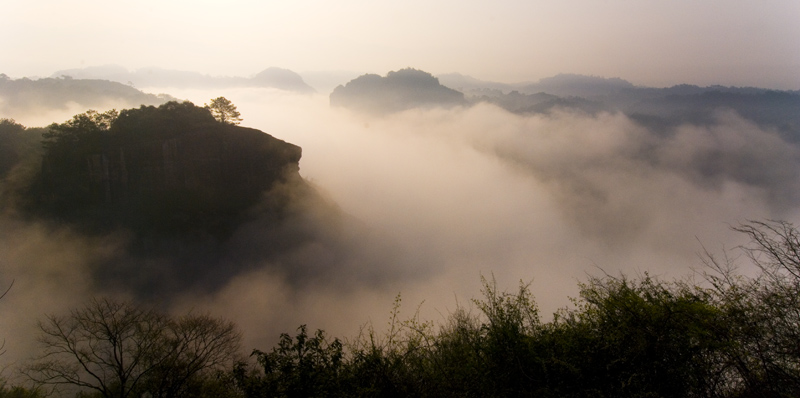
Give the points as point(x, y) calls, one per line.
point(170, 168)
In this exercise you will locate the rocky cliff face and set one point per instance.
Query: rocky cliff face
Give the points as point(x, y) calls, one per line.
point(162, 169)
point(196, 201)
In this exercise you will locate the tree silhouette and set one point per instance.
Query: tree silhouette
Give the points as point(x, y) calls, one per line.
point(224, 111)
point(117, 349)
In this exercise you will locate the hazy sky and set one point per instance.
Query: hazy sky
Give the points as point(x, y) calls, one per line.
point(649, 42)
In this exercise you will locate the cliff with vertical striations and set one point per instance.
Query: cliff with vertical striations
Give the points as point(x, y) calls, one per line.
point(170, 168)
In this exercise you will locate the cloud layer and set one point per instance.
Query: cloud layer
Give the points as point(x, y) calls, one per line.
point(433, 199)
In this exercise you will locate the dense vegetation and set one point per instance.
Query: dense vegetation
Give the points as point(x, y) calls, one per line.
point(168, 168)
point(726, 335)
point(20, 152)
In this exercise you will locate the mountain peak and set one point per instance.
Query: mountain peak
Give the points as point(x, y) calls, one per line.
point(280, 78)
point(399, 90)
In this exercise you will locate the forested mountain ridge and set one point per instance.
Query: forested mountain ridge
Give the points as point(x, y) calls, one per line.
point(23, 96)
point(272, 77)
point(657, 108)
point(397, 91)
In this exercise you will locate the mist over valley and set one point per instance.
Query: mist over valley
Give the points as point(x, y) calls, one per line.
point(402, 199)
point(326, 206)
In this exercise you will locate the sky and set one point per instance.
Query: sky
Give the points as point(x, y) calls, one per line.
point(648, 42)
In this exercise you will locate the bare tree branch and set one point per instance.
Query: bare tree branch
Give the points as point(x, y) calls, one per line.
point(122, 350)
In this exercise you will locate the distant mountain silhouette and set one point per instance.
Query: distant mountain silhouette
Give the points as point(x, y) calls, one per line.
point(283, 79)
point(470, 85)
point(325, 81)
point(566, 85)
point(279, 78)
point(562, 85)
point(657, 108)
point(26, 95)
point(398, 91)
point(517, 102)
point(777, 110)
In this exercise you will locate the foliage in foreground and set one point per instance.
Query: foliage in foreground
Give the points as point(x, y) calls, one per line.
point(8, 391)
point(728, 336)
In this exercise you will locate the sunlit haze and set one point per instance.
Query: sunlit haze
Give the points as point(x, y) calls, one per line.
point(641, 164)
point(656, 43)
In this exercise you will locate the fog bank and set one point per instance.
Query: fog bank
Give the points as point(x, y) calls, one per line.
point(436, 198)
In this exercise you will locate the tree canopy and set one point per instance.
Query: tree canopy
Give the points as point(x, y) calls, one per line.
point(728, 336)
point(224, 111)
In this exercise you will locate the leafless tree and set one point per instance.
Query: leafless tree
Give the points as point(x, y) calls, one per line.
point(3, 344)
point(119, 349)
point(198, 346)
point(762, 313)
